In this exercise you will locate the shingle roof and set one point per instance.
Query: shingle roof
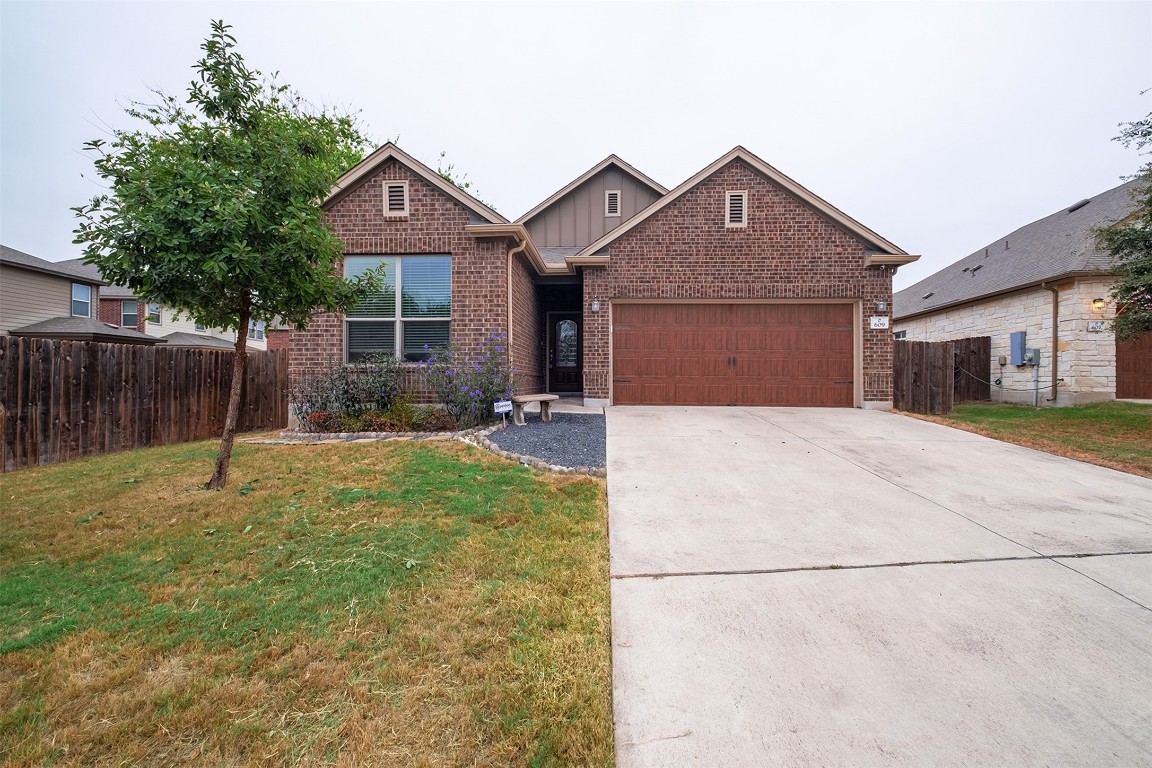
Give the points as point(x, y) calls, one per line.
point(106, 292)
point(556, 255)
point(84, 329)
point(16, 258)
point(180, 339)
point(1056, 245)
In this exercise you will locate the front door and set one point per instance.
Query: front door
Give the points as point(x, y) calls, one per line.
point(565, 369)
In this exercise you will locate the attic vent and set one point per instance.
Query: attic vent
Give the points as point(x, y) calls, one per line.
point(1078, 206)
point(396, 198)
point(977, 268)
point(928, 295)
point(737, 209)
point(612, 202)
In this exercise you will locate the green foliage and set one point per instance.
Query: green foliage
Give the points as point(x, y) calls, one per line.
point(1130, 245)
point(214, 207)
point(467, 385)
point(447, 171)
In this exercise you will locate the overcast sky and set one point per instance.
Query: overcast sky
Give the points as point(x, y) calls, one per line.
point(941, 126)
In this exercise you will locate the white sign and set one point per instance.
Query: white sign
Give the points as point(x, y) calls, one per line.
point(502, 406)
point(878, 322)
point(1097, 326)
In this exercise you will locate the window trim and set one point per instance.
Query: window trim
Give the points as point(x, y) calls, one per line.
point(608, 193)
point(388, 185)
point(256, 330)
point(728, 197)
point(398, 320)
point(159, 313)
point(135, 315)
point(74, 300)
point(899, 335)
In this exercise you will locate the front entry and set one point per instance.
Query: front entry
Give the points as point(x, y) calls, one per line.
point(565, 367)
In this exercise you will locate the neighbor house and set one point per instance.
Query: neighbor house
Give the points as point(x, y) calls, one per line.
point(119, 305)
point(55, 300)
point(738, 287)
point(1044, 276)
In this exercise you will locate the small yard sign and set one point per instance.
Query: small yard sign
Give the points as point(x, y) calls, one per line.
point(502, 406)
point(878, 322)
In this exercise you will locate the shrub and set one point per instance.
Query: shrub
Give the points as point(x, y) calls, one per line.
point(467, 385)
point(341, 392)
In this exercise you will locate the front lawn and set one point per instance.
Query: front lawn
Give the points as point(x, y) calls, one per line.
point(1114, 434)
point(393, 604)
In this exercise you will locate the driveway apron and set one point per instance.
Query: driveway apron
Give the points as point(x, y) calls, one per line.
point(848, 587)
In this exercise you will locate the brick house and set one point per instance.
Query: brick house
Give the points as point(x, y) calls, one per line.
point(1045, 275)
point(738, 287)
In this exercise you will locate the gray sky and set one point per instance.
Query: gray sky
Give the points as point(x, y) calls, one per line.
point(942, 126)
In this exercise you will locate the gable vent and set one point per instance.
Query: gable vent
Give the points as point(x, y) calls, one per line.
point(612, 202)
point(396, 198)
point(737, 214)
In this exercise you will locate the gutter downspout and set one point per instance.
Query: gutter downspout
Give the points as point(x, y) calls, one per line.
point(1055, 337)
point(511, 255)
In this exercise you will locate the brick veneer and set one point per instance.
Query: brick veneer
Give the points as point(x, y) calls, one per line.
point(110, 313)
point(787, 251)
point(434, 225)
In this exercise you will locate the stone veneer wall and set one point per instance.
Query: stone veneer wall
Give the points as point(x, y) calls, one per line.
point(1087, 362)
point(787, 251)
point(434, 225)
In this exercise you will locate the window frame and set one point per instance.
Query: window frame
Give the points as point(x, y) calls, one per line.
point(398, 320)
point(728, 197)
point(899, 335)
point(135, 314)
point(256, 330)
point(75, 301)
point(388, 185)
point(159, 313)
point(608, 193)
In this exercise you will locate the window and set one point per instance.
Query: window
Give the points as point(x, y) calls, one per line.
point(898, 335)
point(395, 198)
point(81, 300)
point(411, 310)
point(201, 327)
point(129, 311)
point(154, 314)
point(612, 202)
point(737, 209)
point(256, 329)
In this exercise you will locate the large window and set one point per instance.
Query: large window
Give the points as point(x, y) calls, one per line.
point(81, 300)
point(413, 308)
point(128, 313)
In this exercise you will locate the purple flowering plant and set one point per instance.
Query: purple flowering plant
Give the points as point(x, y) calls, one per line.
point(467, 384)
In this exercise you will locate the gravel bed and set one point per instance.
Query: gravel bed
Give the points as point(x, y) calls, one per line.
point(569, 440)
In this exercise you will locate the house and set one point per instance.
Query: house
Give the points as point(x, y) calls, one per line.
point(1042, 276)
point(738, 287)
point(120, 306)
point(55, 300)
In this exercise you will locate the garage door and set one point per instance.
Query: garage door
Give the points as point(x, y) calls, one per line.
point(1134, 367)
point(732, 354)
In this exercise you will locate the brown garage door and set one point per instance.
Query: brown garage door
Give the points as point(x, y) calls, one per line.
point(732, 354)
point(1134, 367)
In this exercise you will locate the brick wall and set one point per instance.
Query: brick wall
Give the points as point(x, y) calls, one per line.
point(1087, 359)
point(526, 326)
point(435, 225)
point(787, 251)
point(110, 313)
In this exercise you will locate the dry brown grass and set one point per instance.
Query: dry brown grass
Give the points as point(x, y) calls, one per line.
point(492, 649)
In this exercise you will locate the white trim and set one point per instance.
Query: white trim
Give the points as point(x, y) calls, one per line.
point(72, 300)
point(728, 198)
point(608, 193)
point(390, 185)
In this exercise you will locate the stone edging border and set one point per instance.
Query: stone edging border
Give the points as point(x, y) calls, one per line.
point(477, 436)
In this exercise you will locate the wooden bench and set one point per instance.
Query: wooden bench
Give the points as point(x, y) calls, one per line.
point(519, 401)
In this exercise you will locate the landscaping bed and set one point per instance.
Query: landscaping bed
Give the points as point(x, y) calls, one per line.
point(375, 603)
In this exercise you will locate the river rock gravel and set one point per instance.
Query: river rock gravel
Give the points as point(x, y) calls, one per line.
point(569, 440)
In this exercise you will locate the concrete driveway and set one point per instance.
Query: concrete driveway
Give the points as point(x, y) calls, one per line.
point(846, 587)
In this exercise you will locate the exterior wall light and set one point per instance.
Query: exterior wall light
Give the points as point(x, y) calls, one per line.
point(595, 306)
point(1098, 305)
point(881, 306)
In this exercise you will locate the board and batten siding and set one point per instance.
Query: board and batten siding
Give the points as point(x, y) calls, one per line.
point(28, 297)
point(578, 219)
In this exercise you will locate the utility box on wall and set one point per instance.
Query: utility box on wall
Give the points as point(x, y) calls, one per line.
point(1016, 348)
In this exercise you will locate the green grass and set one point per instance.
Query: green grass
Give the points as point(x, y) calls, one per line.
point(1113, 434)
point(392, 603)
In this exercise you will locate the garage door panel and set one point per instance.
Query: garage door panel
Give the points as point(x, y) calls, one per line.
point(733, 354)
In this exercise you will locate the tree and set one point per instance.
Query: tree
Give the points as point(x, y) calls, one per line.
point(1129, 243)
point(214, 207)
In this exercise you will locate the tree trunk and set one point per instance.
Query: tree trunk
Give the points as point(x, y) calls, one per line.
point(239, 369)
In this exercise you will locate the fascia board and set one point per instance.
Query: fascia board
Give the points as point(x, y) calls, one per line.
point(610, 160)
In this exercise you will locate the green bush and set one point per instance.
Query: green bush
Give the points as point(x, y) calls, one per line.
point(467, 385)
point(331, 397)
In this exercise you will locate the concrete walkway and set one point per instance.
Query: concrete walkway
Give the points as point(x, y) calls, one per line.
point(846, 587)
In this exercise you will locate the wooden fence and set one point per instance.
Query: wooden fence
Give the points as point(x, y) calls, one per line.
point(930, 377)
point(63, 399)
